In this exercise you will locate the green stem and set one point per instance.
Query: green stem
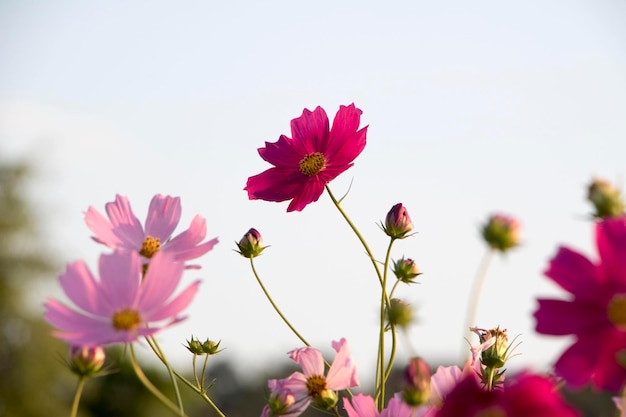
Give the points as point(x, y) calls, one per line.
point(154, 390)
point(195, 371)
point(77, 394)
point(269, 298)
point(474, 299)
point(206, 360)
point(385, 303)
point(170, 371)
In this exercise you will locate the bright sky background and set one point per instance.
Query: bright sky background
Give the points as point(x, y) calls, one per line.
point(472, 107)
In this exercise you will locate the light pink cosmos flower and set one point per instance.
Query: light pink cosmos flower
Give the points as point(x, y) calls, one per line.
point(123, 231)
point(364, 406)
point(123, 304)
point(282, 402)
point(314, 157)
point(594, 311)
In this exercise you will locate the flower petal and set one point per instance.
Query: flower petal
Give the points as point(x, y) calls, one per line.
point(275, 184)
point(611, 241)
point(345, 142)
point(310, 359)
point(560, 317)
point(160, 281)
point(284, 153)
point(120, 277)
point(575, 273)
point(83, 290)
point(126, 226)
point(163, 216)
point(310, 131)
point(342, 373)
point(174, 306)
point(186, 246)
point(102, 228)
point(360, 406)
point(310, 193)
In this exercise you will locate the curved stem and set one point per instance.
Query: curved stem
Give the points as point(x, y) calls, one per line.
point(474, 299)
point(77, 394)
point(269, 298)
point(170, 371)
point(195, 371)
point(154, 390)
point(206, 360)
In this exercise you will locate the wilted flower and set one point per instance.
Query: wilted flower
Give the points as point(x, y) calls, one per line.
point(606, 199)
point(314, 157)
point(595, 312)
point(86, 360)
point(397, 222)
point(122, 305)
point(405, 270)
point(502, 232)
point(251, 244)
point(123, 230)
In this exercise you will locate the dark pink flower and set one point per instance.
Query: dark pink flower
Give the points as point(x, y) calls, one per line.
point(595, 313)
point(124, 304)
point(304, 164)
point(123, 231)
point(525, 395)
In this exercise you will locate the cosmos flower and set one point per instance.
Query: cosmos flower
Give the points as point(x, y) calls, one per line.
point(524, 395)
point(123, 231)
point(595, 312)
point(304, 164)
point(364, 406)
point(123, 304)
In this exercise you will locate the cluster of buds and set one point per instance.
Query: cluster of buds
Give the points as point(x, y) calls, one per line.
point(208, 347)
point(494, 350)
point(86, 361)
point(417, 382)
point(607, 200)
point(502, 232)
point(251, 244)
point(398, 223)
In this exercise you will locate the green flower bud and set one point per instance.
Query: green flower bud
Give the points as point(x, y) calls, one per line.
point(606, 199)
point(494, 356)
point(502, 232)
point(86, 360)
point(326, 399)
point(251, 244)
point(405, 270)
point(399, 313)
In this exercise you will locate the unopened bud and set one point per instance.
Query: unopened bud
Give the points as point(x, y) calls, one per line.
point(606, 199)
point(417, 379)
point(502, 232)
point(496, 354)
point(405, 270)
point(399, 313)
point(251, 244)
point(326, 399)
point(86, 360)
point(398, 223)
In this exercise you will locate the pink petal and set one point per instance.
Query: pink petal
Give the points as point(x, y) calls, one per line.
point(185, 244)
point(360, 406)
point(342, 373)
point(310, 359)
point(559, 317)
point(346, 143)
point(310, 131)
point(175, 306)
point(574, 273)
point(64, 318)
point(444, 380)
point(102, 228)
point(120, 277)
point(397, 408)
point(163, 216)
point(611, 241)
point(83, 290)
point(125, 224)
point(160, 281)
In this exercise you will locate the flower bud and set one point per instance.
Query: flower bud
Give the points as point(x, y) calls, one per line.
point(502, 232)
point(194, 346)
point(251, 244)
point(210, 347)
point(397, 223)
point(405, 270)
point(496, 348)
point(86, 360)
point(326, 399)
point(417, 379)
point(606, 199)
point(399, 313)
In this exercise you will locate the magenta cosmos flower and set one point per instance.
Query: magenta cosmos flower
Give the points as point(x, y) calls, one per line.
point(595, 313)
point(304, 164)
point(525, 395)
point(123, 231)
point(121, 306)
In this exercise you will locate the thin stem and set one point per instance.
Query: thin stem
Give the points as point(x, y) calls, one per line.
point(77, 394)
point(195, 371)
point(474, 299)
point(269, 298)
point(170, 371)
point(384, 305)
point(154, 390)
point(206, 360)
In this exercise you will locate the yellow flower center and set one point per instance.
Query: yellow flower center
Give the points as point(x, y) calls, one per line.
point(126, 319)
point(617, 310)
point(311, 165)
point(494, 411)
point(150, 246)
point(316, 384)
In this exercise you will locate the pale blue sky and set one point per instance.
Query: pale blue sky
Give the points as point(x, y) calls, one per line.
point(473, 107)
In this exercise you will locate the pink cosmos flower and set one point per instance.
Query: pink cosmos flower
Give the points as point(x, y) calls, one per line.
point(282, 402)
point(595, 312)
point(314, 157)
point(525, 395)
point(311, 384)
point(123, 304)
point(364, 406)
point(123, 231)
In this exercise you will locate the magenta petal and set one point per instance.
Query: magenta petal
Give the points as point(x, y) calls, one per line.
point(574, 273)
point(82, 289)
point(125, 224)
point(310, 359)
point(559, 317)
point(611, 241)
point(346, 143)
point(310, 131)
point(120, 277)
point(309, 194)
point(275, 184)
point(284, 153)
point(163, 216)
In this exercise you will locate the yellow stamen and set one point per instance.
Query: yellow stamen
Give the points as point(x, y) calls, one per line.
point(316, 384)
point(312, 164)
point(617, 310)
point(126, 319)
point(150, 246)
